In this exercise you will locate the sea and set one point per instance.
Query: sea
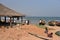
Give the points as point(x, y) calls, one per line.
point(35, 20)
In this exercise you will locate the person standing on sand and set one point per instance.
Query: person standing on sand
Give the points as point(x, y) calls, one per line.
point(27, 22)
point(46, 30)
point(40, 22)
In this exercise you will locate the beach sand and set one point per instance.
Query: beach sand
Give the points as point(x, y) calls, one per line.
point(26, 32)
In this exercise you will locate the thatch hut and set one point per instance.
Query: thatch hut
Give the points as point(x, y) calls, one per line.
point(7, 12)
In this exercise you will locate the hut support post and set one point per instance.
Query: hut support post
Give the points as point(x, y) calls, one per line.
point(21, 19)
point(13, 19)
point(5, 18)
point(17, 18)
point(10, 22)
point(0, 18)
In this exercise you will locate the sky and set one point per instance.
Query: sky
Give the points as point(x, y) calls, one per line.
point(34, 7)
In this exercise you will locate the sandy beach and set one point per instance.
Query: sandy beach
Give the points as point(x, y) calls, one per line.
point(29, 20)
point(27, 32)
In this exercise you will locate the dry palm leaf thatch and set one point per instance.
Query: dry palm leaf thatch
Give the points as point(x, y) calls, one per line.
point(5, 11)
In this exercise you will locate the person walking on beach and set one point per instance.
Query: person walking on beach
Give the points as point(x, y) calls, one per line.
point(46, 30)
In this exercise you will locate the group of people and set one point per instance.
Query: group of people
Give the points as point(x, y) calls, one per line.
point(48, 34)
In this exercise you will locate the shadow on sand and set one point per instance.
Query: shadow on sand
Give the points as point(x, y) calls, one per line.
point(38, 36)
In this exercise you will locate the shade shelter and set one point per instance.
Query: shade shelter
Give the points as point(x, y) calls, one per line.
point(7, 12)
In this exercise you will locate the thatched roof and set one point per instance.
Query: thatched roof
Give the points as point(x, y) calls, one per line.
point(5, 11)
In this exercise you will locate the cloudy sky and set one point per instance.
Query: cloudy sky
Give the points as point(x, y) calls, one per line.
point(34, 7)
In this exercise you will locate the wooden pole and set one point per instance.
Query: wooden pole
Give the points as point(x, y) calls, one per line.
point(13, 19)
point(10, 22)
point(5, 18)
point(21, 19)
point(17, 18)
point(0, 18)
